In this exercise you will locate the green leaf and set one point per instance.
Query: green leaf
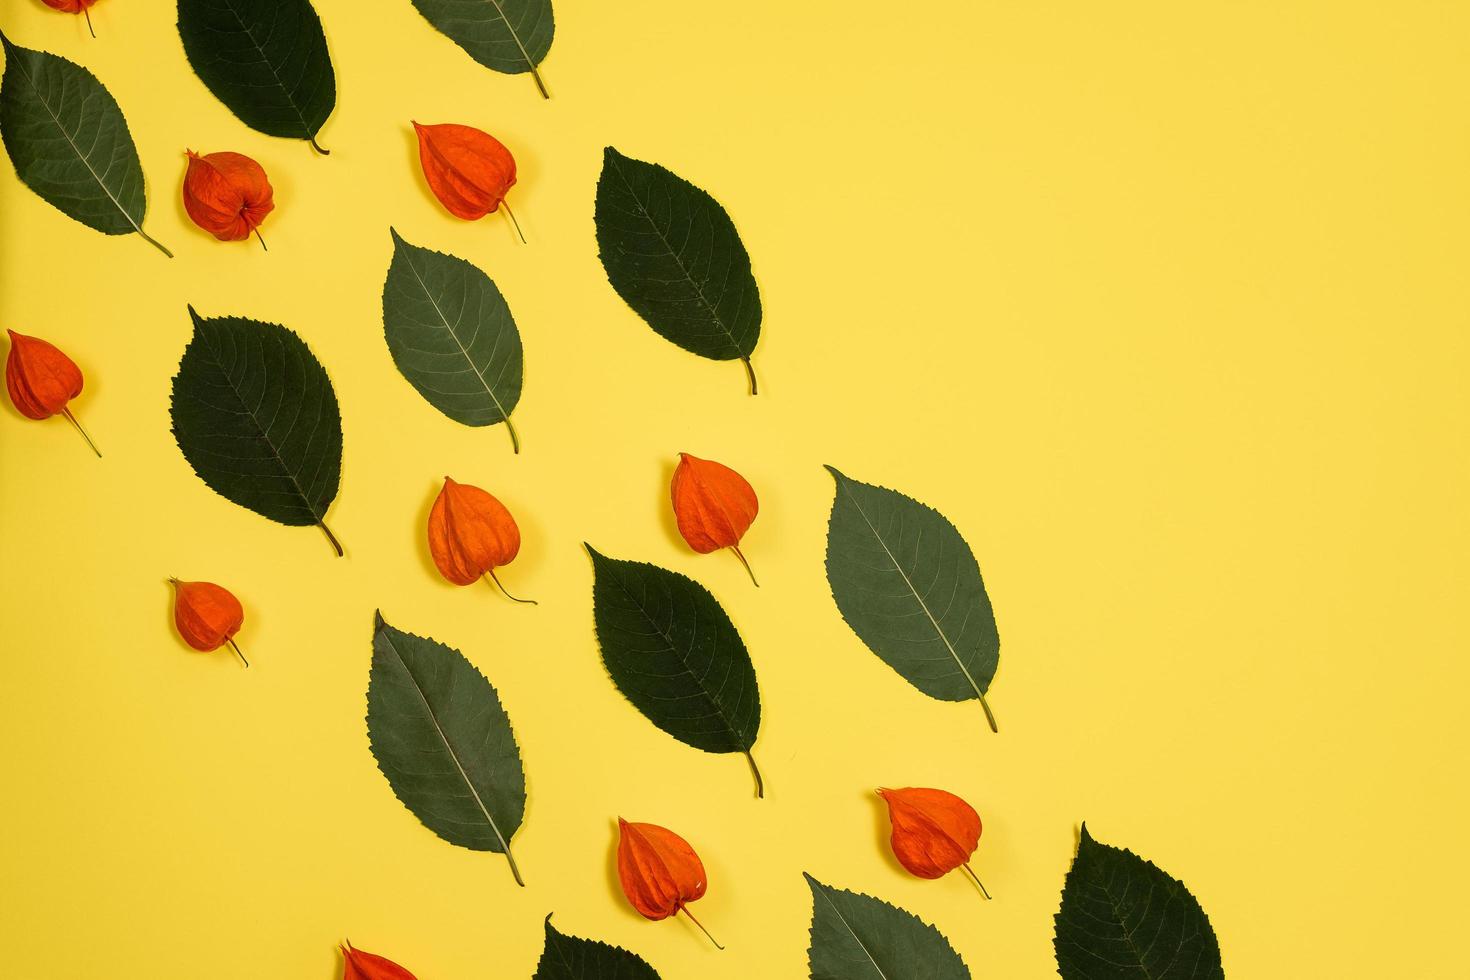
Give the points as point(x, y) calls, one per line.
point(856, 937)
point(570, 958)
point(674, 653)
point(70, 143)
point(442, 739)
point(510, 36)
point(1124, 919)
point(266, 60)
point(452, 336)
point(674, 256)
point(909, 587)
point(255, 415)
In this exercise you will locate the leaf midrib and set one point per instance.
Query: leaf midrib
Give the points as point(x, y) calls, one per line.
point(698, 290)
point(20, 65)
point(457, 342)
point(500, 11)
point(821, 890)
point(673, 649)
point(915, 592)
point(264, 435)
point(290, 100)
point(429, 710)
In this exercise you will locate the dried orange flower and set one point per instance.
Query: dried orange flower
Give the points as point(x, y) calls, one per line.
point(468, 170)
point(659, 871)
point(207, 616)
point(228, 195)
point(713, 505)
point(357, 965)
point(74, 7)
point(934, 832)
point(471, 534)
point(41, 380)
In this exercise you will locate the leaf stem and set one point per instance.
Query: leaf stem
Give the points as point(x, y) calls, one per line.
point(685, 910)
point(540, 85)
point(736, 548)
point(155, 243)
point(491, 573)
point(515, 439)
point(236, 647)
point(90, 29)
point(760, 784)
point(750, 373)
point(73, 420)
point(330, 537)
point(976, 880)
point(988, 715)
point(258, 236)
point(512, 215)
point(515, 871)
point(318, 147)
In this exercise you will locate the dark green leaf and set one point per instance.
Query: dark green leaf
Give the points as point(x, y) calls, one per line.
point(452, 336)
point(1124, 919)
point(266, 60)
point(441, 737)
point(856, 937)
point(510, 36)
point(908, 585)
point(255, 415)
point(674, 653)
point(70, 143)
point(570, 958)
point(675, 257)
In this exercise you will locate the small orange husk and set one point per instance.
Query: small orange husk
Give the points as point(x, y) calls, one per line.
point(934, 831)
point(713, 505)
point(207, 616)
point(659, 872)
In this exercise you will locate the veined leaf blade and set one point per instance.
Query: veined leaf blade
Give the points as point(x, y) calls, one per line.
point(673, 652)
point(673, 254)
point(69, 141)
point(255, 415)
point(509, 36)
point(909, 586)
point(573, 958)
point(1122, 918)
point(444, 743)
point(452, 336)
point(858, 937)
point(266, 60)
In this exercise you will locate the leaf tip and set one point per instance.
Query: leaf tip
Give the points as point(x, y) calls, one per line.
point(837, 474)
point(379, 623)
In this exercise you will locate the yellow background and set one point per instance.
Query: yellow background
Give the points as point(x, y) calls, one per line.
point(1164, 305)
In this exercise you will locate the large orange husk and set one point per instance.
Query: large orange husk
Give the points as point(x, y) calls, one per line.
point(934, 832)
point(207, 615)
point(227, 194)
point(659, 871)
point(470, 533)
point(713, 504)
point(468, 170)
point(39, 378)
point(357, 965)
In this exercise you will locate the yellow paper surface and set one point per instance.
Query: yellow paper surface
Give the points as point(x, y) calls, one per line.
point(1163, 305)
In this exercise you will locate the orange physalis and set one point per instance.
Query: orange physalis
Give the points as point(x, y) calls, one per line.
point(714, 506)
point(74, 7)
point(471, 534)
point(468, 170)
point(357, 965)
point(41, 380)
point(934, 832)
point(207, 616)
point(660, 872)
point(228, 195)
